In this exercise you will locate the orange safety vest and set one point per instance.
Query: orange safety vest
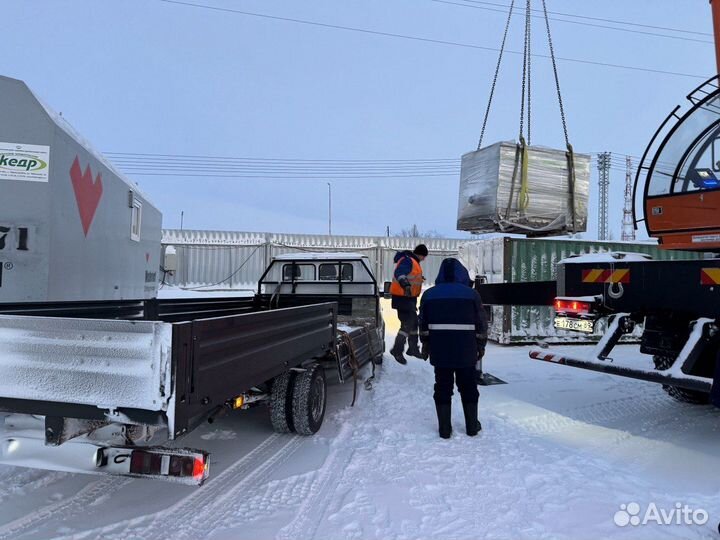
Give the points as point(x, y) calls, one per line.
point(415, 278)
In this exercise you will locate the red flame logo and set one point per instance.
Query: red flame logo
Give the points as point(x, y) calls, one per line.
point(88, 192)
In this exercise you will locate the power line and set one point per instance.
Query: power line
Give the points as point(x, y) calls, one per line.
point(317, 177)
point(600, 19)
point(191, 156)
point(428, 40)
point(593, 25)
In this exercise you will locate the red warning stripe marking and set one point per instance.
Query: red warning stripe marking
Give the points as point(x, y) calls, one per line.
point(710, 276)
point(600, 275)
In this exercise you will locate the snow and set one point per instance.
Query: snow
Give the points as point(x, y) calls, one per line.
point(616, 256)
point(104, 363)
point(561, 450)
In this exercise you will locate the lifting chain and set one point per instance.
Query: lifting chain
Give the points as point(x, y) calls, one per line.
point(526, 89)
point(526, 76)
point(555, 73)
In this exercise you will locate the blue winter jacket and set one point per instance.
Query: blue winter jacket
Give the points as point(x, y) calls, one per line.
point(452, 318)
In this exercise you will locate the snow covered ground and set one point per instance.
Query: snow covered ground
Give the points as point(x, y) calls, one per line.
point(561, 450)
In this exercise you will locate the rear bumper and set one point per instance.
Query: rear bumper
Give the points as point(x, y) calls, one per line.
point(669, 377)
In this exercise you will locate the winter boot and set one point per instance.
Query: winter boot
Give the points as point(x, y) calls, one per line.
point(414, 350)
point(472, 424)
point(398, 348)
point(444, 422)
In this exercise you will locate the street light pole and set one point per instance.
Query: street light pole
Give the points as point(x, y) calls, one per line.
point(329, 208)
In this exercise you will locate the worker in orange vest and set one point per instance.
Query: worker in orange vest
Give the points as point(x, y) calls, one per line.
point(405, 290)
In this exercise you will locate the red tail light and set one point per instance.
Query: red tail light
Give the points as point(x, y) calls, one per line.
point(199, 468)
point(575, 307)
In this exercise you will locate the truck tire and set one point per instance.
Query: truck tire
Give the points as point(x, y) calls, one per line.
point(281, 402)
point(309, 400)
point(680, 394)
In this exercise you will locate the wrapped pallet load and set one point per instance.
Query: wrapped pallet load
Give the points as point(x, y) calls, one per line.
point(533, 190)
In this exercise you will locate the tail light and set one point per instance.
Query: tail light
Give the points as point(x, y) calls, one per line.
point(574, 307)
point(152, 463)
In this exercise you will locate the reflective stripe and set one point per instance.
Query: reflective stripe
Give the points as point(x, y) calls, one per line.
point(451, 327)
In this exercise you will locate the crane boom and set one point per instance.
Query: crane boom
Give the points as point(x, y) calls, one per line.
point(715, 4)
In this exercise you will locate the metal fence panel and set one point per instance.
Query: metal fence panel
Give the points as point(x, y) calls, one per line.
point(229, 259)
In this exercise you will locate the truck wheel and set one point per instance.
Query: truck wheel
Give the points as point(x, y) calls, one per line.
point(281, 402)
point(309, 400)
point(680, 394)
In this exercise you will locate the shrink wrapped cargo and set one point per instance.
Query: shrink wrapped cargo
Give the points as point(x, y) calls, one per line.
point(501, 193)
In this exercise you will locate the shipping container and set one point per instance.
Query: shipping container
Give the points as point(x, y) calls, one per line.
point(513, 260)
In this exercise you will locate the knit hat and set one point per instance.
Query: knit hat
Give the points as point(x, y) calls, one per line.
point(421, 250)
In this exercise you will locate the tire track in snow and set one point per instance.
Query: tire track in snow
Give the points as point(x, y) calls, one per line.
point(225, 502)
point(310, 515)
point(73, 505)
point(21, 480)
point(650, 405)
point(207, 502)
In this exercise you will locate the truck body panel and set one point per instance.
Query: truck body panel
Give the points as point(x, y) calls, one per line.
point(66, 214)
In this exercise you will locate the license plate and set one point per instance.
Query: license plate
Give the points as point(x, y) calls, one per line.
point(575, 325)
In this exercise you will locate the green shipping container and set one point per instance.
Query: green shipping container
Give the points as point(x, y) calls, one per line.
point(519, 260)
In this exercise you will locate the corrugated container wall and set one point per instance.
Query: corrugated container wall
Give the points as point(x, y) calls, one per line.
point(512, 260)
point(228, 259)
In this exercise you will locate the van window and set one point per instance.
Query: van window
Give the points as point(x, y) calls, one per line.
point(329, 272)
point(303, 272)
point(135, 220)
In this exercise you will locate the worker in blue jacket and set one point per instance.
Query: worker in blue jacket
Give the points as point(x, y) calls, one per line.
point(453, 328)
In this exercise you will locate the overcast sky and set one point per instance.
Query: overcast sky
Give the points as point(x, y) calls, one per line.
point(147, 76)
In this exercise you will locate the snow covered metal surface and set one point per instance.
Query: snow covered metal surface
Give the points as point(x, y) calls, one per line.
point(232, 259)
point(326, 256)
point(608, 258)
point(103, 363)
point(491, 196)
point(512, 260)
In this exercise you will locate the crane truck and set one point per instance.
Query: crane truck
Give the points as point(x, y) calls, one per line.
point(676, 303)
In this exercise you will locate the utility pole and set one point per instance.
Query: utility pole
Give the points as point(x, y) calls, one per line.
point(182, 219)
point(628, 227)
point(329, 208)
point(604, 160)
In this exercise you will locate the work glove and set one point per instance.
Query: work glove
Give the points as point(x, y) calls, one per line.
point(425, 350)
point(405, 284)
point(481, 344)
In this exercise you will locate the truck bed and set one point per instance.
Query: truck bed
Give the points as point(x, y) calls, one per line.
point(152, 371)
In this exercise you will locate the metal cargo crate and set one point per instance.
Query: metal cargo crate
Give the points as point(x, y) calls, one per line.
point(519, 260)
point(493, 197)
